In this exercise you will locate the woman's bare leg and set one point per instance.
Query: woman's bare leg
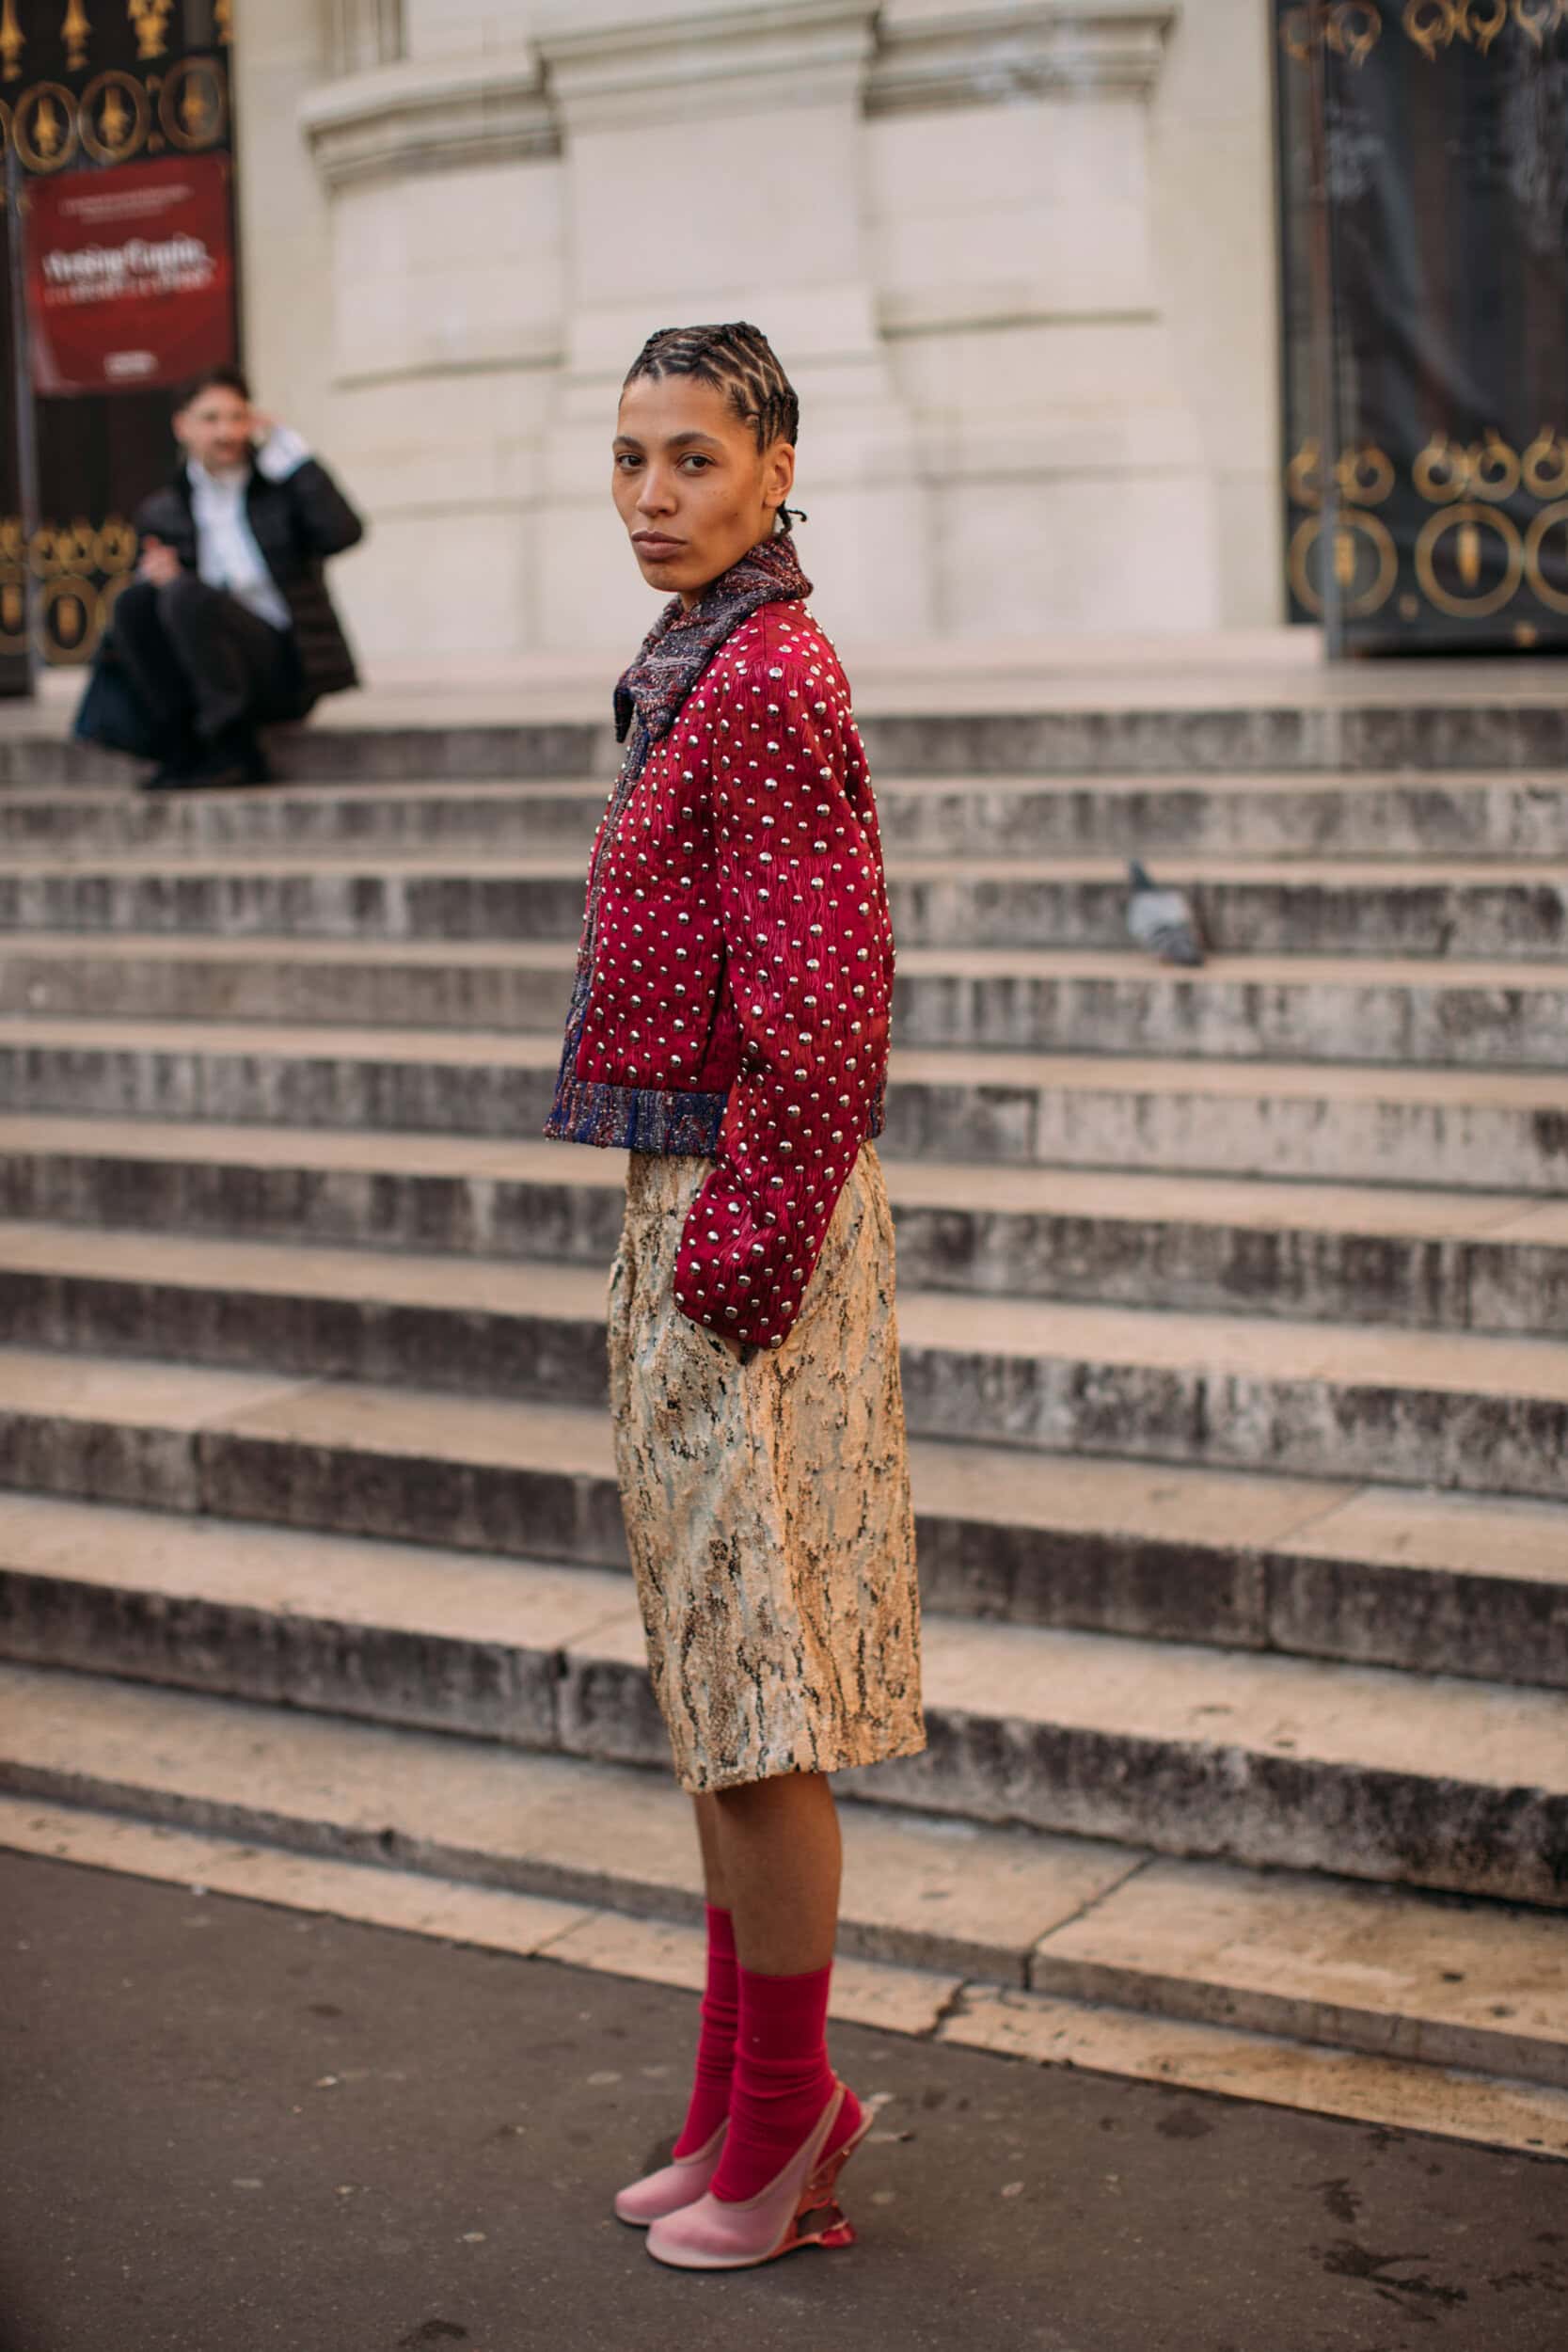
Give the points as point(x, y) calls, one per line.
point(772, 1857)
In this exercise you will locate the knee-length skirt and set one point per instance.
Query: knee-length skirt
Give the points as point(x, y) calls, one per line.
point(767, 1501)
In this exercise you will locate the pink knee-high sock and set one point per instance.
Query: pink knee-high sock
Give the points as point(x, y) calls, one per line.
point(710, 2088)
point(783, 2080)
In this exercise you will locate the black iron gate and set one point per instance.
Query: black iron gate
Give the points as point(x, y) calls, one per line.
point(1424, 203)
point(90, 89)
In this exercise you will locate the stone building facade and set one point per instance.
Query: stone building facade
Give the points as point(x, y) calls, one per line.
point(1018, 260)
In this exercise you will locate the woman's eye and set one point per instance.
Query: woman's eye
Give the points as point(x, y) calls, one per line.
point(695, 460)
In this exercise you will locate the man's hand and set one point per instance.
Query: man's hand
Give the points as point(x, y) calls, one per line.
point(159, 563)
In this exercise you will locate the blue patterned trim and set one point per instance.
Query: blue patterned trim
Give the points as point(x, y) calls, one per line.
point(637, 1119)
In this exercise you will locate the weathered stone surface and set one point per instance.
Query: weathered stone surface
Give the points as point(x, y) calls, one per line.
point(1349, 814)
point(1450, 1983)
point(1305, 907)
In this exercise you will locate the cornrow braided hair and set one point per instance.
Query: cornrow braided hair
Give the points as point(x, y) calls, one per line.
point(738, 360)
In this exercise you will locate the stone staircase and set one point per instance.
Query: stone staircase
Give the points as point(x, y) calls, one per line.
point(1233, 1304)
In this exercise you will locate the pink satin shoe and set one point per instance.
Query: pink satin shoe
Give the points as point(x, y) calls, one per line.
point(677, 2185)
point(797, 2208)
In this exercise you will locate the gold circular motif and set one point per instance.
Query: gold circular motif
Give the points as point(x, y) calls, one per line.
point(1365, 475)
point(13, 608)
point(1430, 23)
point(1483, 29)
point(116, 116)
point(193, 104)
point(1535, 542)
point(71, 548)
point(44, 127)
point(1355, 29)
point(1303, 477)
point(1441, 472)
point(1469, 517)
point(70, 618)
point(1545, 465)
point(1494, 468)
point(115, 549)
point(1351, 527)
point(1537, 18)
point(1295, 32)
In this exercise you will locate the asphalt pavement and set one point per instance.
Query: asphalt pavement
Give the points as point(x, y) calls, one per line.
point(228, 2127)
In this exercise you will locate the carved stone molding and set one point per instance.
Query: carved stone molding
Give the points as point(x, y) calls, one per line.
point(430, 117)
point(944, 52)
point(610, 68)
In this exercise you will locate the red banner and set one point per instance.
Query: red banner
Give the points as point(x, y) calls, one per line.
point(130, 275)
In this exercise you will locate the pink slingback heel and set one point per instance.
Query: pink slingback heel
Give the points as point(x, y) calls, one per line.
point(797, 2208)
point(675, 2185)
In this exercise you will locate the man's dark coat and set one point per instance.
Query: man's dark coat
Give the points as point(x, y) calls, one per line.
point(298, 524)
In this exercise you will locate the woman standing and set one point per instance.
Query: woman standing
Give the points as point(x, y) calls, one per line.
point(729, 1026)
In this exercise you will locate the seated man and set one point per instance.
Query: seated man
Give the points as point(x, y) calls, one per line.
point(228, 625)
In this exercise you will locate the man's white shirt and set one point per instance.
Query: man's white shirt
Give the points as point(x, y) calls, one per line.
point(227, 555)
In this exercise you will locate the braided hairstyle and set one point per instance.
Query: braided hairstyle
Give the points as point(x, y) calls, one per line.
point(737, 360)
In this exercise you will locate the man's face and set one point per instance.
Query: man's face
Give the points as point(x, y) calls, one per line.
point(215, 428)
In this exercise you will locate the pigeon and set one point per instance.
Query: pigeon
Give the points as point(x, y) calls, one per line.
point(1162, 921)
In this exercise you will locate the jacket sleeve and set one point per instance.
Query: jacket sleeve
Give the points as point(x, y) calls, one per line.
point(325, 522)
point(808, 972)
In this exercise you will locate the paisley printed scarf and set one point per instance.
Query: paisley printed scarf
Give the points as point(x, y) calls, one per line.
point(680, 644)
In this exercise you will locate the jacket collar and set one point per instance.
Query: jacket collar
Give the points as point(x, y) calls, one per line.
point(680, 644)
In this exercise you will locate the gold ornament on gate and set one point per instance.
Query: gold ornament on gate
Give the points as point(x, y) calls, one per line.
point(75, 32)
point(115, 549)
point(1545, 465)
point(193, 104)
point(1355, 29)
point(150, 21)
point(1304, 474)
point(13, 40)
point(1365, 475)
point(1469, 523)
point(1537, 18)
point(115, 117)
point(44, 127)
point(1432, 24)
point(223, 20)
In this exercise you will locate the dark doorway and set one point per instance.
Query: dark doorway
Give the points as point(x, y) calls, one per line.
point(1423, 152)
point(118, 128)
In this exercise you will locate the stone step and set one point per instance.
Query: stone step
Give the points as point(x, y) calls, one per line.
point(1413, 2004)
point(1370, 1574)
point(1480, 815)
point(1458, 1984)
point(942, 727)
point(1313, 906)
point(1488, 1130)
point(1410, 1258)
point(1460, 1786)
point(1480, 1413)
point(1434, 1012)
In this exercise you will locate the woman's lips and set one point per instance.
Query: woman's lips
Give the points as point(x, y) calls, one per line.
point(651, 543)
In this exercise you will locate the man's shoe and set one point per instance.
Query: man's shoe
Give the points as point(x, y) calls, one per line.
point(233, 757)
point(177, 776)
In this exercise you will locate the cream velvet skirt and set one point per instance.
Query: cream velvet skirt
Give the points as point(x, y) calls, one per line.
point(768, 1502)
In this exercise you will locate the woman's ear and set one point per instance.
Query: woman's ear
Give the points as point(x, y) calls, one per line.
point(778, 472)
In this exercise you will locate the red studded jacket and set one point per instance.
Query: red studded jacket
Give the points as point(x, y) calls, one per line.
point(737, 972)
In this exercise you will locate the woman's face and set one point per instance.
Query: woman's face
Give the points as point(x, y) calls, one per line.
point(690, 484)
